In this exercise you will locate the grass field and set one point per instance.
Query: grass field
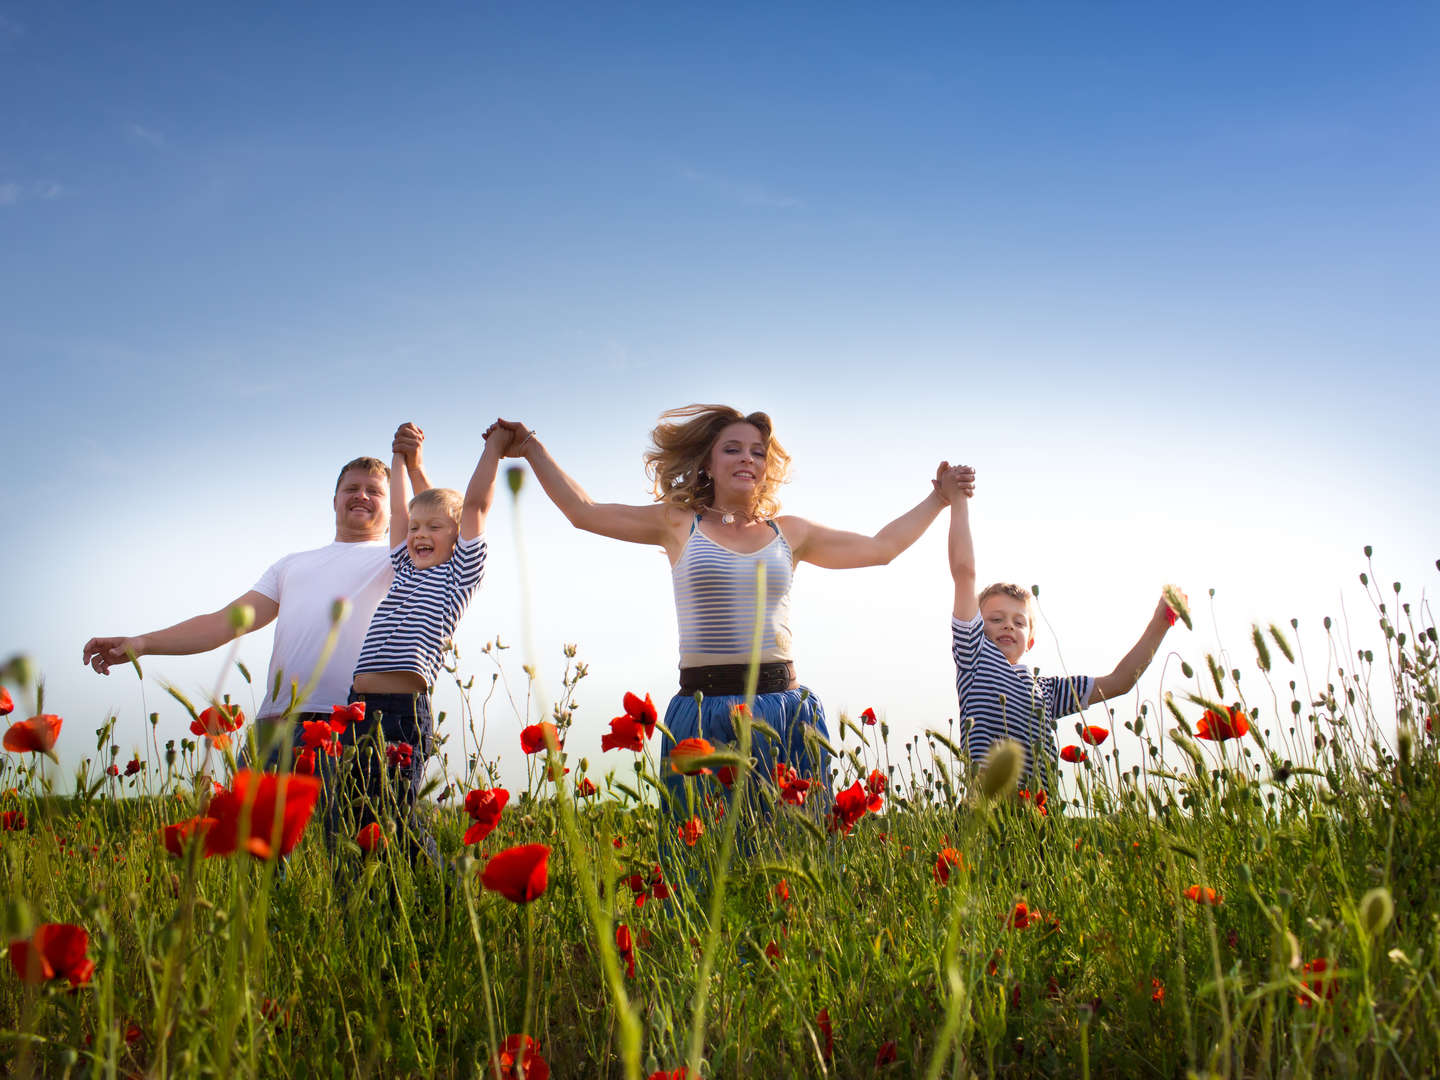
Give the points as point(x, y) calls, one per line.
point(1262, 905)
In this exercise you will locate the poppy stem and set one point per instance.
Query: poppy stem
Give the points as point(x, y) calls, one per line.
point(529, 978)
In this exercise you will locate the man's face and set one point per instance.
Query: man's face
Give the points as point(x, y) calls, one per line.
point(362, 506)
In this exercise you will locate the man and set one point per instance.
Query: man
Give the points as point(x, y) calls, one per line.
point(299, 594)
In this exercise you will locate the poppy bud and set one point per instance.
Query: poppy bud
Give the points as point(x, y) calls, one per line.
point(1376, 910)
point(17, 921)
point(242, 617)
point(1292, 946)
point(1001, 771)
point(514, 479)
point(339, 610)
point(1186, 670)
point(1369, 551)
point(20, 669)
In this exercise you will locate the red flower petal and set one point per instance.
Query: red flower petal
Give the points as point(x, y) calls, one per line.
point(342, 716)
point(371, 838)
point(1094, 735)
point(520, 874)
point(36, 735)
point(533, 738)
point(1074, 755)
point(687, 749)
point(274, 809)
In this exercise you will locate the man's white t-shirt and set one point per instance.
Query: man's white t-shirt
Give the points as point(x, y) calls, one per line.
point(306, 586)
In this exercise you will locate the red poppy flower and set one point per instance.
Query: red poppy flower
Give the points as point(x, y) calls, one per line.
point(792, 788)
point(626, 733)
point(887, 1053)
point(371, 838)
point(1322, 986)
point(521, 1053)
point(1019, 917)
point(1094, 735)
point(269, 805)
point(216, 723)
point(55, 951)
point(782, 891)
point(1204, 895)
point(7, 703)
point(520, 874)
point(342, 716)
point(850, 807)
point(133, 766)
point(532, 738)
point(618, 842)
point(176, 837)
point(12, 821)
point(1039, 800)
point(586, 787)
point(876, 782)
point(625, 944)
point(868, 716)
point(827, 1036)
point(1157, 990)
point(1219, 728)
point(947, 860)
point(484, 808)
point(682, 1073)
point(772, 952)
point(34, 736)
point(1074, 755)
point(691, 831)
point(112, 769)
point(641, 713)
point(304, 764)
point(319, 735)
point(685, 751)
point(400, 754)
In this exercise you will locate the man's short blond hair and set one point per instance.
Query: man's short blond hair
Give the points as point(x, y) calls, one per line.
point(1004, 588)
point(373, 466)
point(446, 499)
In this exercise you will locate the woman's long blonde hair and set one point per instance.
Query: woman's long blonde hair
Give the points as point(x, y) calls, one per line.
point(681, 444)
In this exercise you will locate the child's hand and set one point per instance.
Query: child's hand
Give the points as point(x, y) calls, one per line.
point(408, 441)
point(500, 437)
point(956, 482)
point(1173, 605)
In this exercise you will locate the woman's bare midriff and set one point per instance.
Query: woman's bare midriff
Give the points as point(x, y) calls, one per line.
point(390, 682)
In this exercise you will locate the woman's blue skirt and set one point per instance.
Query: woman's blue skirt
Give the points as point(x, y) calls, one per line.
point(791, 713)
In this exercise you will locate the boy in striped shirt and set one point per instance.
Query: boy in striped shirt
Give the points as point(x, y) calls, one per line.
point(999, 696)
point(437, 548)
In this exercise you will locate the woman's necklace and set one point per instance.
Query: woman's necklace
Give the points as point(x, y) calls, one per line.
point(727, 517)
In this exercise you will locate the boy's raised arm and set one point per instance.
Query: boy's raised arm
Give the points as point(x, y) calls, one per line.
point(1127, 673)
point(480, 492)
point(958, 485)
point(399, 502)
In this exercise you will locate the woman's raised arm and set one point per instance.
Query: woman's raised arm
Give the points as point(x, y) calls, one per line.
point(836, 549)
point(636, 524)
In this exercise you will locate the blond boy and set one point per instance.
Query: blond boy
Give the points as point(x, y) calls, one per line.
point(437, 549)
point(1000, 698)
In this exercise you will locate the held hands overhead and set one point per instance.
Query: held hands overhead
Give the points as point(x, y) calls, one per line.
point(409, 442)
point(952, 482)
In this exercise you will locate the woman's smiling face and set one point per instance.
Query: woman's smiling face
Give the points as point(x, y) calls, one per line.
point(737, 465)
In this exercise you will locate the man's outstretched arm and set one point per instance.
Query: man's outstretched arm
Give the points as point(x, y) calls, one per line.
point(197, 635)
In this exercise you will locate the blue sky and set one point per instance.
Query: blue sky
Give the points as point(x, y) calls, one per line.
point(1166, 278)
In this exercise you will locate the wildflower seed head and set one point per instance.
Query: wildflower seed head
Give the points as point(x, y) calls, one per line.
point(18, 922)
point(242, 617)
point(1376, 910)
point(514, 479)
point(339, 610)
point(19, 669)
point(1002, 768)
point(1405, 743)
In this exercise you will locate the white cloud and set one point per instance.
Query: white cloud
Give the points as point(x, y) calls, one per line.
point(146, 135)
point(747, 194)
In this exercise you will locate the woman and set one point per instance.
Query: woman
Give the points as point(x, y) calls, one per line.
point(715, 473)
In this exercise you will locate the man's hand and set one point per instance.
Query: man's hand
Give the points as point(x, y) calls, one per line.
point(101, 652)
point(954, 483)
point(501, 437)
point(409, 442)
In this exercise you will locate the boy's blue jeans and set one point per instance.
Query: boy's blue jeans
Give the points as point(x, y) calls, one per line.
point(369, 786)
